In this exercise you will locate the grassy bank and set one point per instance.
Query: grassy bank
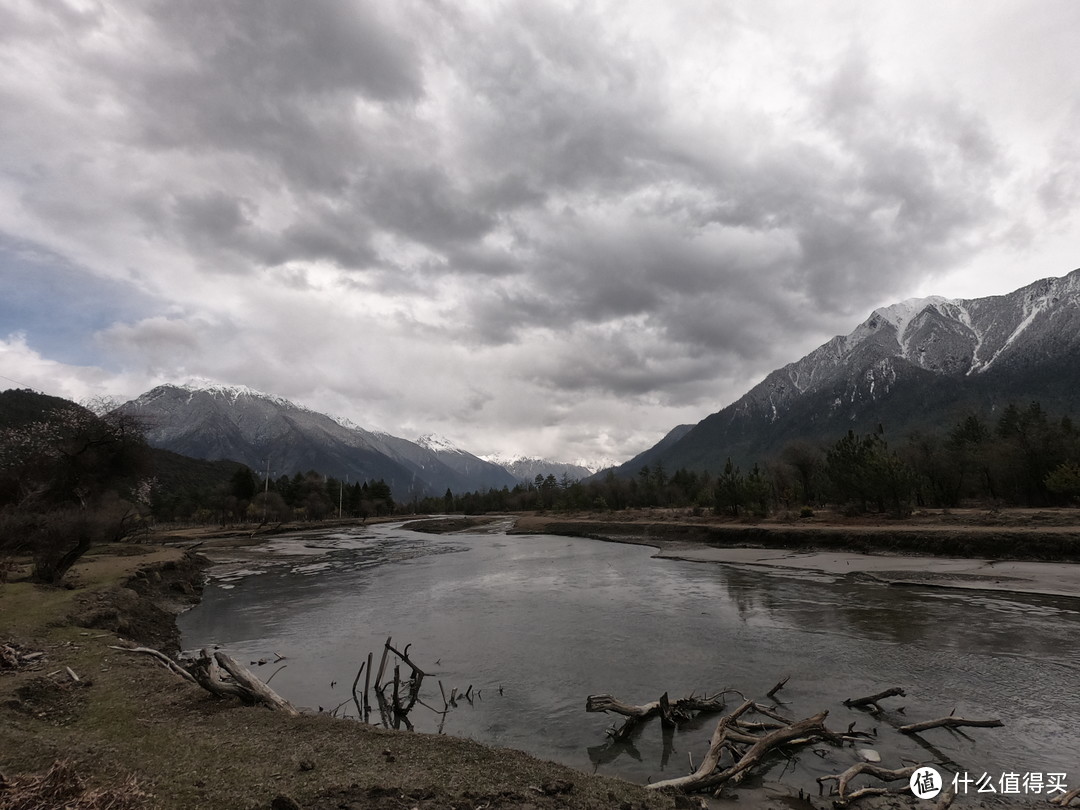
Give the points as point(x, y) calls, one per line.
point(128, 717)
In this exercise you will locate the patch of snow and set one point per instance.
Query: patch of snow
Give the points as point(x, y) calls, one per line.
point(234, 392)
point(1032, 309)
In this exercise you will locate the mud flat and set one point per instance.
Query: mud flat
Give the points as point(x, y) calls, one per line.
point(1039, 556)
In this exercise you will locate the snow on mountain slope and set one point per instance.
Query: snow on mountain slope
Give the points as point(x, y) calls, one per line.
point(910, 364)
point(525, 468)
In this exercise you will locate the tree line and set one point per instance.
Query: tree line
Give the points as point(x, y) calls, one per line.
point(1024, 458)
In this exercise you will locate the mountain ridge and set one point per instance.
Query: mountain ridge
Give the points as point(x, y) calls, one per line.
point(238, 423)
point(907, 364)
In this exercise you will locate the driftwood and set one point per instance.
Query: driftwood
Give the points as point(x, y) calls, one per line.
point(671, 714)
point(209, 672)
point(707, 775)
point(263, 693)
point(872, 700)
point(948, 722)
point(1066, 798)
point(886, 775)
point(780, 685)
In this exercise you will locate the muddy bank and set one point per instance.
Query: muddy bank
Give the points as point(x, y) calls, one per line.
point(1001, 558)
point(449, 525)
point(1041, 543)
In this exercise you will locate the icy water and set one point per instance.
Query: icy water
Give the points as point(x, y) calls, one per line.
point(550, 620)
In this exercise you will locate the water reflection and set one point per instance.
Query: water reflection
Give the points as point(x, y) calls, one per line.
point(551, 620)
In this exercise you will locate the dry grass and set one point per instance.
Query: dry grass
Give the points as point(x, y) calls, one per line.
point(61, 788)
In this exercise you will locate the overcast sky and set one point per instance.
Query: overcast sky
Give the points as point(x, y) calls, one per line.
point(549, 228)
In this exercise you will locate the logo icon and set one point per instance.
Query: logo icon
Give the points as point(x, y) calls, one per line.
point(925, 783)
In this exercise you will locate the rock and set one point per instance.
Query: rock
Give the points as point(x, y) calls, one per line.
point(283, 802)
point(556, 786)
point(868, 754)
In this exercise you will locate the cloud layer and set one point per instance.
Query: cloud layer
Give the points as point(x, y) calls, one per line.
point(553, 228)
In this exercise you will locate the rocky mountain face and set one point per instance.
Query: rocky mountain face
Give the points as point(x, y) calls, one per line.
point(919, 364)
point(237, 423)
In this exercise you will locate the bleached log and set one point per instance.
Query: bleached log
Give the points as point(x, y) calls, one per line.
point(263, 693)
point(208, 674)
point(948, 722)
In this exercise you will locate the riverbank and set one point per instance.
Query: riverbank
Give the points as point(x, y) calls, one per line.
point(128, 718)
point(1020, 551)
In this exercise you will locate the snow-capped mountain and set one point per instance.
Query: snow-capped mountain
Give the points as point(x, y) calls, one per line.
point(919, 363)
point(213, 421)
point(486, 474)
point(525, 469)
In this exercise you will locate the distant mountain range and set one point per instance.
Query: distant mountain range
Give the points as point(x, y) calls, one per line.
point(237, 423)
point(525, 469)
point(919, 364)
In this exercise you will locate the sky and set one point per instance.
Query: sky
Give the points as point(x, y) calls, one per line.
point(555, 229)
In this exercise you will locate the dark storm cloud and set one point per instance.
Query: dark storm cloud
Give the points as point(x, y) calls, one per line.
point(632, 201)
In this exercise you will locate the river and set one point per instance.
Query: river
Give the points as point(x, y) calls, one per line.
point(537, 623)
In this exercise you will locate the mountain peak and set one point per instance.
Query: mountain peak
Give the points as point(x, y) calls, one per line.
point(438, 444)
point(903, 313)
point(232, 393)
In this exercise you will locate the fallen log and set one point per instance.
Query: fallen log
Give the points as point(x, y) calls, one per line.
point(948, 722)
point(872, 700)
point(886, 775)
point(263, 693)
point(208, 674)
point(678, 712)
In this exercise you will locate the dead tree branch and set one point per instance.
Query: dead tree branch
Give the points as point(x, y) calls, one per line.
point(706, 776)
point(872, 700)
point(884, 774)
point(169, 663)
point(948, 722)
point(678, 712)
